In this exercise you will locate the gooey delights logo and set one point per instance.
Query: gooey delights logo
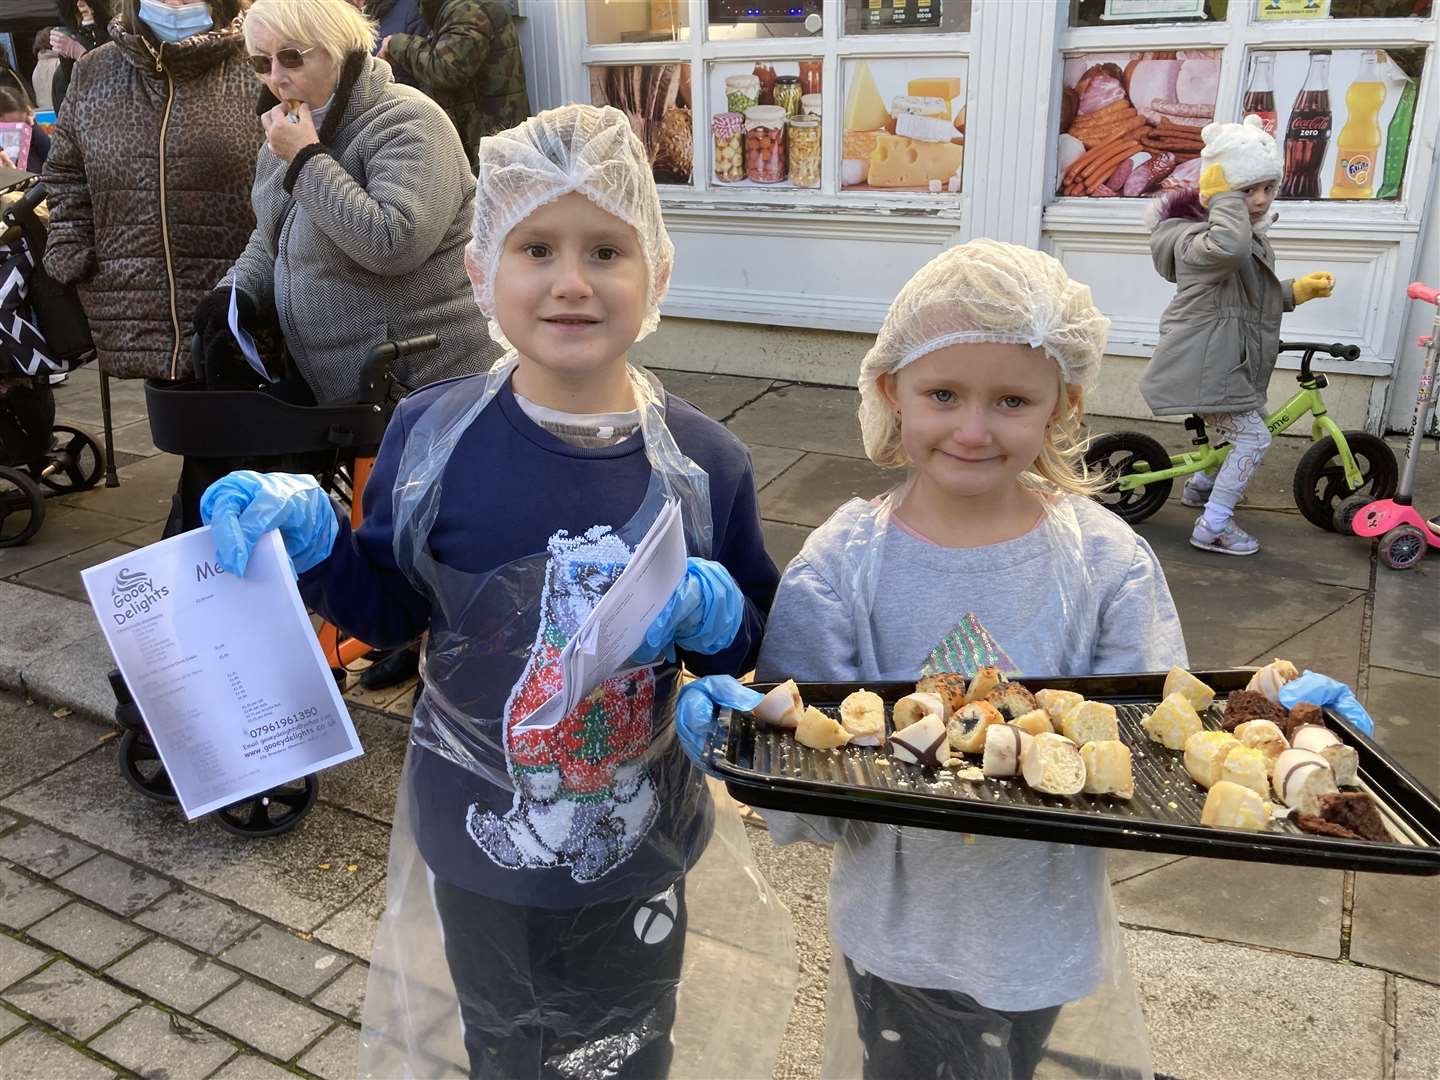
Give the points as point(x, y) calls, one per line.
point(133, 594)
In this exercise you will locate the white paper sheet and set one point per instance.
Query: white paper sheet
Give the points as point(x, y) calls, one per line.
point(616, 626)
point(244, 340)
point(227, 671)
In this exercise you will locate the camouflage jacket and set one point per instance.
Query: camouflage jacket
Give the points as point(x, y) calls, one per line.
point(470, 64)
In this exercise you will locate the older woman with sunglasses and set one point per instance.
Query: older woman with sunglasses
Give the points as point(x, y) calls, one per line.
point(363, 200)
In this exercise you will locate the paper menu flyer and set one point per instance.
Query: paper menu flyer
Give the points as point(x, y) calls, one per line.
point(227, 672)
point(616, 626)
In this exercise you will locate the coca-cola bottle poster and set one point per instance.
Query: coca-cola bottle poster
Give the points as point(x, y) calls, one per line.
point(1343, 118)
point(1130, 122)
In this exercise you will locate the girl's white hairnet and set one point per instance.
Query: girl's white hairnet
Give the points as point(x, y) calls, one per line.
point(987, 291)
point(573, 148)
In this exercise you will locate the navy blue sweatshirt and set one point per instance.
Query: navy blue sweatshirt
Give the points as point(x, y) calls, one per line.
point(605, 807)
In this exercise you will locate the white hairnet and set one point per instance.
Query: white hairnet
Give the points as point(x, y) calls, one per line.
point(573, 148)
point(986, 291)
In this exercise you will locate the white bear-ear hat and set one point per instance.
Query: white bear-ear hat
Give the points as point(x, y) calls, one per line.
point(1247, 153)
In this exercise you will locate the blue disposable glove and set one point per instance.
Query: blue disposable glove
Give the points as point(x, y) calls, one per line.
point(1322, 690)
point(696, 709)
point(245, 505)
point(703, 615)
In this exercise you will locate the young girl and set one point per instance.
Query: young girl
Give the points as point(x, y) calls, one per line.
point(543, 866)
point(961, 951)
point(1220, 335)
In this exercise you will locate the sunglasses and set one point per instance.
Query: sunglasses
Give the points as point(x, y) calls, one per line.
point(289, 58)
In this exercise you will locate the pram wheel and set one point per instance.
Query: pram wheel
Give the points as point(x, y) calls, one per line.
point(22, 507)
point(75, 461)
point(271, 812)
point(140, 763)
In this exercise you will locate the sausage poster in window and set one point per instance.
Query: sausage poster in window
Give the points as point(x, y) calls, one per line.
point(656, 99)
point(904, 125)
point(1130, 122)
point(766, 121)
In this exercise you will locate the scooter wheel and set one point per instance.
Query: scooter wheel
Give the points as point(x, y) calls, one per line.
point(1402, 547)
point(1320, 485)
point(140, 764)
point(271, 812)
point(1349, 510)
point(1114, 455)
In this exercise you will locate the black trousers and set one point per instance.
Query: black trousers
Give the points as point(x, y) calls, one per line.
point(575, 994)
point(913, 1033)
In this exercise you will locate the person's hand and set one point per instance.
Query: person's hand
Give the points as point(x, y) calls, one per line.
point(1322, 690)
point(696, 710)
point(702, 616)
point(1212, 182)
point(1314, 286)
point(243, 506)
point(66, 45)
point(384, 53)
point(286, 137)
point(5, 160)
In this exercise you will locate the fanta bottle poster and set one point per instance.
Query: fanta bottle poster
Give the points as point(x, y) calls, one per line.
point(1343, 118)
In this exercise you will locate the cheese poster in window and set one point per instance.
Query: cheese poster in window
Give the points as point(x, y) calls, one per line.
point(765, 123)
point(656, 100)
point(1130, 122)
point(903, 125)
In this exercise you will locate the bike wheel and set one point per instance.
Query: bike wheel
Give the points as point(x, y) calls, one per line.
point(1114, 455)
point(140, 764)
point(271, 812)
point(78, 459)
point(22, 507)
point(1402, 547)
point(1320, 485)
point(1348, 511)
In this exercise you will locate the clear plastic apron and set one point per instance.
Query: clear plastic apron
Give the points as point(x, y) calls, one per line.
point(1098, 1029)
point(604, 803)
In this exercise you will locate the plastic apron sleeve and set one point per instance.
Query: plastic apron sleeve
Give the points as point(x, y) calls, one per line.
point(682, 940)
point(1054, 943)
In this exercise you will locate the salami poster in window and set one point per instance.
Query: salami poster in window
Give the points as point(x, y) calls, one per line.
point(656, 99)
point(904, 125)
point(766, 122)
point(1344, 117)
point(1130, 122)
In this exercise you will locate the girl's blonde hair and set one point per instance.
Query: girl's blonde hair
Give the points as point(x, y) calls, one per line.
point(335, 27)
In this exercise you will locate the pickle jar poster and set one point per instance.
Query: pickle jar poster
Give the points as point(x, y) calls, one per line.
point(1343, 118)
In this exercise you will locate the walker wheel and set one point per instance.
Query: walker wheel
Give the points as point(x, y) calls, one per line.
point(1402, 547)
point(271, 812)
point(140, 764)
point(1349, 510)
point(22, 507)
point(77, 459)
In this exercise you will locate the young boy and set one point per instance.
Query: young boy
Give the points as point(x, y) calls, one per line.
point(500, 508)
point(1221, 333)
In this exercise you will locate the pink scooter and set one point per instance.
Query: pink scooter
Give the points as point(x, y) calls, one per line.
point(1404, 534)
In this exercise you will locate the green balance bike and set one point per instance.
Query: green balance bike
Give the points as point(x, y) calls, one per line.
point(1339, 465)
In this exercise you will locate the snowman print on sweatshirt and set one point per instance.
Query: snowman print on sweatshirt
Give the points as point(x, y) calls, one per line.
point(583, 797)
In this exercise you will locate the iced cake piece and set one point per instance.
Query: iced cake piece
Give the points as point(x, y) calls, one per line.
point(1356, 811)
point(1243, 705)
point(1180, 681)
point(1344, 761)
point(1057, 703)
point(1091, 721)
point(782, 706)
point(1300, 777)
point(1234, 806)
point(1173, 721)
point(1205, 754)
point(1052, 764)
point(967, 727)
point(922, 743)
point(862, 715)
point(917, 706)
point(820, 732)
point(1249, 768)
point(1107, 769)
point(1004, 748)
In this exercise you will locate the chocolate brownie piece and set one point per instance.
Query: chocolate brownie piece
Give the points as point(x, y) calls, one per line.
point(1356, 811)
point(1301, 713)
point(1320, 827)
point(1243, 705)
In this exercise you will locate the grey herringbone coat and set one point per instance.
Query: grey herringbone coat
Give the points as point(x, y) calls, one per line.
point(365, 243)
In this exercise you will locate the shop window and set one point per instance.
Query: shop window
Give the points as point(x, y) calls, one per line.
point(766, 123)
point(1345, 117)
point(657, 100)
point(903, 127)
point(1139, 12)
point(1130, 122)
point(867, 17)
point(617, 22)
point(1266, 10)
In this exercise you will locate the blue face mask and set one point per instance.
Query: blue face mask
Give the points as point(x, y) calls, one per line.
point(175, 23)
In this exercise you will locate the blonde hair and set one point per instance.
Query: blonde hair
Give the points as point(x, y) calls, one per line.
point(335, 27)
point(1060, 465)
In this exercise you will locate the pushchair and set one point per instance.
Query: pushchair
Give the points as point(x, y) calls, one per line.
point(43, 331)
point(222, 415)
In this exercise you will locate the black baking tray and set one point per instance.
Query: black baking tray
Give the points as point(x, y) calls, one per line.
point(766, 768)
